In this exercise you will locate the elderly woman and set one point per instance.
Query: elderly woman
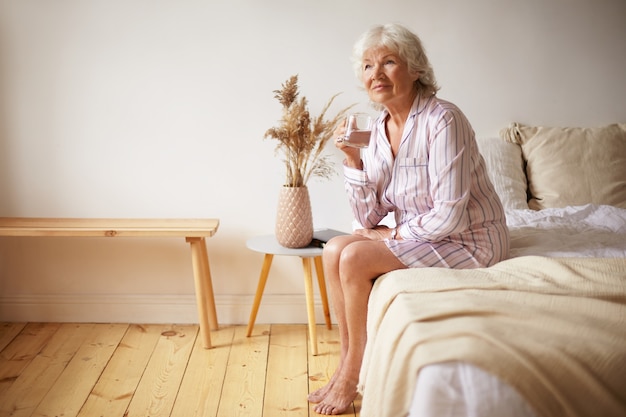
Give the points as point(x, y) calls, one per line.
point(423, 165)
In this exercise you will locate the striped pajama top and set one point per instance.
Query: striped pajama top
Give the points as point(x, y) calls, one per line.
point(446, 209)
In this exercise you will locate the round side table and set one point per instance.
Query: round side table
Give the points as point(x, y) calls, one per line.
point(269, 246)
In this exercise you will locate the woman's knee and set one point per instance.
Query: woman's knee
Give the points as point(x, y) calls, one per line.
point(338, 251)
point(365, 261)
point(352, 265)
point(335, 246)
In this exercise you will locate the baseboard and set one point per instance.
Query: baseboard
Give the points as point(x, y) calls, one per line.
point(119, 308)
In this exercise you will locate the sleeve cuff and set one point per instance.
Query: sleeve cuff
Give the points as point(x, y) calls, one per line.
point(354, 176)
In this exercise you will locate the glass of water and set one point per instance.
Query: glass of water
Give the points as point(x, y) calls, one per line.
point(358, 130)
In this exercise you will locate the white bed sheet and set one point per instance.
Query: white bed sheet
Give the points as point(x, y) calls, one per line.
point(576, 231)
point(458, 389)
point(463, 390)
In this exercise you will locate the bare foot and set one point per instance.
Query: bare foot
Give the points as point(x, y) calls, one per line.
point(340, 397)
point(319, 394)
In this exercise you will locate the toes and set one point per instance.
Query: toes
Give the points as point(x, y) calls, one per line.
point(327, 409)
point(321, 409)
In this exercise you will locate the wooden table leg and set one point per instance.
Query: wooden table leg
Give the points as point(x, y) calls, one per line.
point(265, 270)
point(322, 283)
point(308, 290)
point(210, 297)
point(200, 279)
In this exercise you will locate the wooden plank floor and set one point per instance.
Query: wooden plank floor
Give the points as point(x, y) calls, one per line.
point(130, 370)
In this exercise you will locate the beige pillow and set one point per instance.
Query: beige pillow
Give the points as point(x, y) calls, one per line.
point(505, 168)
point(568, 166)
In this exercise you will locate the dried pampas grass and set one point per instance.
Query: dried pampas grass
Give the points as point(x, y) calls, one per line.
point(302, 139)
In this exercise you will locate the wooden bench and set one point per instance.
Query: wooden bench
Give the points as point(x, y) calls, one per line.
point(193, 230)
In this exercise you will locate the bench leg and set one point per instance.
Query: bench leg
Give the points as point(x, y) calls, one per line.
point(265, 270)
point(211, 310)
point(319, 268)
point(310, 306)
point(204, 289)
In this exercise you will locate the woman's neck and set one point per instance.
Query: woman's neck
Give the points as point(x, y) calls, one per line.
point(398, 112)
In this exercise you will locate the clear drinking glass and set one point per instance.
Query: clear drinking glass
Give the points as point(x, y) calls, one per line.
point(358, 130)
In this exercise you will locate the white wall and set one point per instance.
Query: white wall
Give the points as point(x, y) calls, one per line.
point(157, 108)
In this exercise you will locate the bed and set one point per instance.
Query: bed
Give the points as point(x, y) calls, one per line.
point(540, 334)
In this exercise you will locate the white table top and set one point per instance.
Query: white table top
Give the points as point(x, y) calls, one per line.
point(269, 244)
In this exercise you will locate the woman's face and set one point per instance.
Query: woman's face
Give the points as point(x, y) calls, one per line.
point(386, 77)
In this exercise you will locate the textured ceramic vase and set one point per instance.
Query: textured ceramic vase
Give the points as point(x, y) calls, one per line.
point(294, 221)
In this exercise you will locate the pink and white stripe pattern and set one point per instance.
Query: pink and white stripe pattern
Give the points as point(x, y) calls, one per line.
point(447, 211)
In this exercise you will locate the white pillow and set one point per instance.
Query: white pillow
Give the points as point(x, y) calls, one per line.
point(505, 167)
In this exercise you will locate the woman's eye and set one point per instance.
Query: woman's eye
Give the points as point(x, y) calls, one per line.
point(390, 62)
point(367, 66)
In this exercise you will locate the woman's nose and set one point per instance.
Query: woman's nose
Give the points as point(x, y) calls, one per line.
point(377, 72)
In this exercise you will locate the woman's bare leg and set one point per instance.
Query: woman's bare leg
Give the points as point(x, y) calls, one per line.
point(331, 256)
point(360, 263)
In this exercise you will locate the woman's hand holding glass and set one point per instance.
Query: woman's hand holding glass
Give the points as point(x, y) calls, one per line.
point(353, 155)
point(351, 135)
point(358, 130)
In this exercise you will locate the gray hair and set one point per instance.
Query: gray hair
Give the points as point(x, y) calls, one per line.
point(406, 44)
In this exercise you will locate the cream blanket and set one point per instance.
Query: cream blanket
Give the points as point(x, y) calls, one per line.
point(554, 329)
